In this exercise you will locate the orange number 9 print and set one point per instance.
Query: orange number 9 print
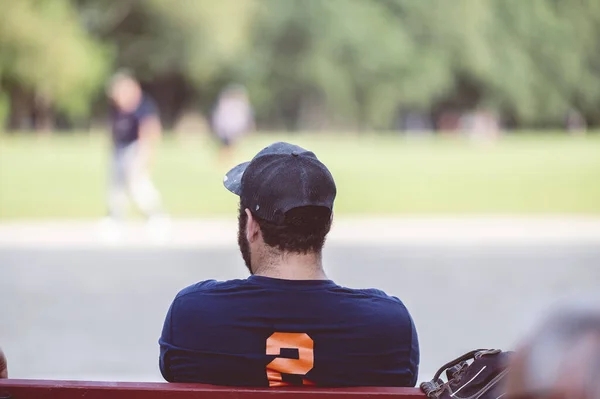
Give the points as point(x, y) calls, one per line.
point(305, 362)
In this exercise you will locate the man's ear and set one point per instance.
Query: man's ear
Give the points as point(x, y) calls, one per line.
point(252, 227)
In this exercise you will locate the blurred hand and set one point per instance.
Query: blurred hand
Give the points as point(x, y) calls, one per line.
point(150, 132)
point(3, 365)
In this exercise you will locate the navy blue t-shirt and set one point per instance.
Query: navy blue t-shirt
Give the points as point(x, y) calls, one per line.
point(126, 125)
point(270, 332)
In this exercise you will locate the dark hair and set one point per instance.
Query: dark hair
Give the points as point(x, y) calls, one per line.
point(303, 230)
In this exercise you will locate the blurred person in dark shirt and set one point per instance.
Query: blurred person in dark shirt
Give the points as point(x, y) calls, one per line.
point(136, 129)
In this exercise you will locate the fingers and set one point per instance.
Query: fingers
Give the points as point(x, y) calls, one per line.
point(3, 365)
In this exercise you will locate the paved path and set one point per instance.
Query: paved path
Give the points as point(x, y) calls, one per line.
point(73, 308)
point(211, 233)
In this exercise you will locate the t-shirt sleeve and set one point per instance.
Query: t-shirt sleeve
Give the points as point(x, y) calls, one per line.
point(165, 342)
point(409, 335)
point(146, 109)
point(171, 332)
point(415, 355)
point(413, 344)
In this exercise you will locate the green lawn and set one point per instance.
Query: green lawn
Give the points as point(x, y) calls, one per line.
point(64, 176)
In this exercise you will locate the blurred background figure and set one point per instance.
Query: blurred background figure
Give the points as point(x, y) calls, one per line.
point(415, 123)
point(480, 125)
point(561, 359)
point(232, 118)
point(136, 128)
point(3, 365)
point(576, 123)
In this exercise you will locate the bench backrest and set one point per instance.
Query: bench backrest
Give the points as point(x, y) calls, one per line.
point(43, 389)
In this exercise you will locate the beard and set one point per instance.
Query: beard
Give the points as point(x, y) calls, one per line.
point(243, 242)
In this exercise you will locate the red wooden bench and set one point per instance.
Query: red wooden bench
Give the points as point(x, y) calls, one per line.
point(43, 389)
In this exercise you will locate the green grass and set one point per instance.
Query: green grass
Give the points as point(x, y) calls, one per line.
point(64, 176)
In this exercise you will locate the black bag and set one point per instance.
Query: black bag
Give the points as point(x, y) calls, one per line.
point(481, 379)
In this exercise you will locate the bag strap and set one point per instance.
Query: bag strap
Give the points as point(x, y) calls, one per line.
point(466, 356)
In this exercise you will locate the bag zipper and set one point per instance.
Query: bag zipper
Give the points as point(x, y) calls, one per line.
point(485, 388)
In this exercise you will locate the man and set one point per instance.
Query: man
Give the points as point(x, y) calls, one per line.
point(3, 365)
point(561, 360)
point(135, 131)
point(286, 324)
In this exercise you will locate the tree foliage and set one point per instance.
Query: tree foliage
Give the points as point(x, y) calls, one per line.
point(312, 63)
point(43, 47)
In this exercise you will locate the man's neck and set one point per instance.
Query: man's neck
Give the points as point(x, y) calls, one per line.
point(292, 266)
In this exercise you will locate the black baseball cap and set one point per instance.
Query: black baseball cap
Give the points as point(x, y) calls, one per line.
point(279, 178)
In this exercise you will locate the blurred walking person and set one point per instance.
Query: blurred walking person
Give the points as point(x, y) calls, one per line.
point(136, 129)
point(232, 118)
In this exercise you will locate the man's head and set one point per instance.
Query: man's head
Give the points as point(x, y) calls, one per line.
point(561, 360)
point(124, 91)
point(235, 91)
point(286, 203)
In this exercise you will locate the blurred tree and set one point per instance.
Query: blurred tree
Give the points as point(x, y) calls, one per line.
point(45, 53)
point(311, 63)
point(530, 57)
point(579, 64)
point(363, 60)
point(153, 37)
point(532, 61)
point(171, 45)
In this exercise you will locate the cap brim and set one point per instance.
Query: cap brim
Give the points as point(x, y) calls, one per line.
point(233, 179)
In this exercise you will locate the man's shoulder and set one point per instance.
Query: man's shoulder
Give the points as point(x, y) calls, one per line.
point(210, 286)
point(382, 305)
point(379, 296)
point(147, 100)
